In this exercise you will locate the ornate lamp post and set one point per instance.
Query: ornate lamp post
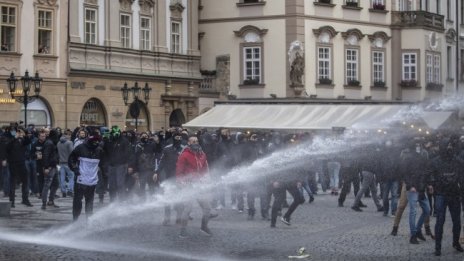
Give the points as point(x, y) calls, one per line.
point(134, 107)
point(26, 82)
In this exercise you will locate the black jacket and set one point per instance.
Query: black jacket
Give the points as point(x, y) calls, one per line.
point(415, 171)
point(168, 161)
point(447, 176)
point(119, 151)
point(145, 154)
point(50, 154)
point(16, 150)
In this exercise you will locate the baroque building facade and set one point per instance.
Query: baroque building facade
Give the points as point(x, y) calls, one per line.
point(386, 50)
point(86, 50)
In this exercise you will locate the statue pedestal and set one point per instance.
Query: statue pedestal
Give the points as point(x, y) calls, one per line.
point(297, 89)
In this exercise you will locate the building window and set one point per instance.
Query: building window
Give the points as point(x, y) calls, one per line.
point(176, 37)
point(323, 63)
point(351, 66)
point(406, 5)
point(409, 66)
point(90, 35)
point(436, 68)
point(125, 31)
point(429, 65)
point(8, 29)
point(145, 29)
point(352, 3)
point(378, 63)
point(438, 5)
point(252, 65)
point(44, 32)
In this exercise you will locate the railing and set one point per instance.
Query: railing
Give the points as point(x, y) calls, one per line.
point(418, 19)
point(208, 83)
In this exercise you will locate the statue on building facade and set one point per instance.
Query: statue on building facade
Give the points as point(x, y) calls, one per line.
point(297, 63)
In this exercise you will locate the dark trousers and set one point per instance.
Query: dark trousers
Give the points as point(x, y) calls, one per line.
point(280, 197)
point(83, 191)
point(31, 167)
point(40, 179)
point(348, 178)
point(102, 184)
point(18, 171)
point(51, 184)
point(253, 192)
point(454, 206)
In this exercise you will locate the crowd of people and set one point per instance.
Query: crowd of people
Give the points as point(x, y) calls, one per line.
point(409, 169)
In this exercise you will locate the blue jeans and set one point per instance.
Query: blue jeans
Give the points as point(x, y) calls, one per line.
point(305, 186)
point(387, 188)
point(334, 171)
point(65, 171)
point(413, 199)
point(31, 167)
point(50, 184)
point(454, 206)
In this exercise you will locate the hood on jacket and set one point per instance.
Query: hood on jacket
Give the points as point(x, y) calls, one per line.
point(63, 139)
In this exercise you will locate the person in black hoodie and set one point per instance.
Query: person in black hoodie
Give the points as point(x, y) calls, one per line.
point(166, 171)
point(16, 155)
point(119, 156)
point(145, 162)
point(448, 186)
point(5, 139)
point(50, 161)
point(84, 162)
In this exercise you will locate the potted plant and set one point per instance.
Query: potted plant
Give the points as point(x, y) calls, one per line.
point(408, 83)
point(353, 83)
point(432, 86)
point(379, 84)
point(378, 6)
point(324, 1)
point(351, 3)
point(251, 81)
point(325, 81)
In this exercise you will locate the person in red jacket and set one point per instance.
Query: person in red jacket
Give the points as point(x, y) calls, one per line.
point(191, 167)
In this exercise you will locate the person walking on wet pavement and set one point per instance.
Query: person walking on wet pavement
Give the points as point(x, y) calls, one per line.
point(16, 155)
point(191, 168)
point(50, 170)
point(368, 163)
point(84, 161)
point(448, 186)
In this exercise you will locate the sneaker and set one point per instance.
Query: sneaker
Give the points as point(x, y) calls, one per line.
point(206, 231)
point(394, 231)
point(64, 195)
point(311, 199)
point(240, 211)
point(340, 205)
point(12, 205)
point(357, 209)
point(380, 209)
point(273, 225)
point(44, 206)
point(213, 215)
point(413, 240)
point(420, 236)
point(458, 247)
point(70, 194)
point(362, 205)
point(183, 233)
point(437, 252)
point(52, 204)
point(285, 220)
point(27, 203)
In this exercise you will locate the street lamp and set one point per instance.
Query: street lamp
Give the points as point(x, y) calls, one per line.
point(27, 82)
point(134, 107)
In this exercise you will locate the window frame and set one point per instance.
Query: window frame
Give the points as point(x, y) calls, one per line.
point(91, 23)
point(318, 61)
point(126, 40)
point(242, 47)
point(252, 60)
point(357, 63)
point(50, 48)
point(13, 43)
point(145, 44)
point(176, 35)
point(414, 65)
point(383, 64)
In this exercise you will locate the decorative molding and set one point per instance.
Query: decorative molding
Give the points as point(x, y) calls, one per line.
point(250, 28)
point(176, 7)
point(355, 32)
point(49, 2)
point(126, 5)
point(92, 2)
point(379, 34)
point(451, 35)
point(146, 6)
point(329, 29)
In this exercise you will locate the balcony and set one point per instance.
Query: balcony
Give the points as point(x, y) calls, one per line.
point(418, 19)
point(208, 82)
